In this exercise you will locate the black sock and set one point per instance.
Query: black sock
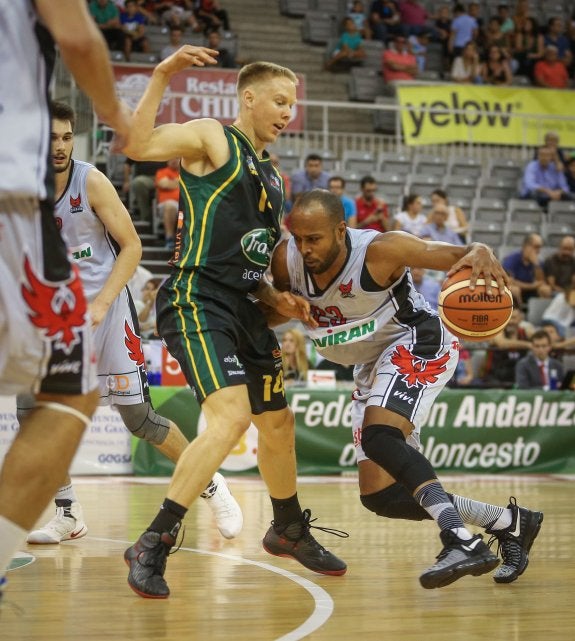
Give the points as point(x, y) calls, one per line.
point(66, 504)
point(169, 518)
point(286, 511)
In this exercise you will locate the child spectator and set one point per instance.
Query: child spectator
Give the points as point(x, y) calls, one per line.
point(348, 49)
point(168, 195)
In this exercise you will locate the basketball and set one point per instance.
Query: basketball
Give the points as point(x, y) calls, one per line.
point(473, 315)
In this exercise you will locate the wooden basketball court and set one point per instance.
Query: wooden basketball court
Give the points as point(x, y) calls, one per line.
point(225, 590)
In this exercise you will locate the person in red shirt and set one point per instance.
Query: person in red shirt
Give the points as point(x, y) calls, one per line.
point(551, 72)
point(168, 197)
point(372, 212)
point(397, 62)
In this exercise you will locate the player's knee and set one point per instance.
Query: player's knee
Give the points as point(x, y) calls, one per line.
point(373, 435)
point(143, 422)
point(394, 502)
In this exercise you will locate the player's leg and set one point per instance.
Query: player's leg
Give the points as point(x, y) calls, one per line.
point(227, 418)
point(289, 534)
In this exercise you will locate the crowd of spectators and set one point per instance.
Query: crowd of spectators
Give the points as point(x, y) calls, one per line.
point(481, 43)
point(124, 22)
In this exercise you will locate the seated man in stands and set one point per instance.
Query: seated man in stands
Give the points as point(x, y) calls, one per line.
point(524, 268)
point(311, 177)
point(504, 351)
point(107, 16)
point(537, 370)
point(397, 62)
point(176, 41)
point(437, 229)
point(225, 58)
point(134, 28)
point(542, 181)
point(337, 186)
point(140, 186)
point(210, 14)
point(372, 211)
point(559, 268)
point(550, 72)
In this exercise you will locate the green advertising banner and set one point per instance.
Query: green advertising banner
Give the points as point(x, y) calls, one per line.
point(489, 432)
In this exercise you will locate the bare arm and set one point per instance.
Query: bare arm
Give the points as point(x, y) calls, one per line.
point(197, 141)
point(86, 55)
point(389, 254)
point(114, 216)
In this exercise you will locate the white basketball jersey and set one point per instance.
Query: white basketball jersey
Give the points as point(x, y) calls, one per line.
point(25, 67)
point(90, 245)
point(357, 319)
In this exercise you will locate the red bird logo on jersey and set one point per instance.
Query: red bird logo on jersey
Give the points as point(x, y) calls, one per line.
point(134, 345)
point(418, 371)
point(58, 309)
point(345, 289)
point(76, 204)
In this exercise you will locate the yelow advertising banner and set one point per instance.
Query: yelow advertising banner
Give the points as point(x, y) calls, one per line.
point(433, 114)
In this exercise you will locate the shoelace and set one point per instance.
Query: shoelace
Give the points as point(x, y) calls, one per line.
point(509, 549)
point(159, 553)
point(307, 526)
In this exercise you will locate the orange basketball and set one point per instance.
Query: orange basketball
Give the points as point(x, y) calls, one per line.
point(473, 315)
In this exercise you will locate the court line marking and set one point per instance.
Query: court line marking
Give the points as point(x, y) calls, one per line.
point(324, 605)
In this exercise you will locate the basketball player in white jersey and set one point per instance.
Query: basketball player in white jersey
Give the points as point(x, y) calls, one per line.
point(369, 314)
point(45, 344)
point(105, 246)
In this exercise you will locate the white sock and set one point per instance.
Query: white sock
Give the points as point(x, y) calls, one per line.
point(66, 493)
point(12, 536)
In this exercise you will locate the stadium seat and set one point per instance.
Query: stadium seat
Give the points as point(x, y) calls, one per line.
point(527, 211)
point(430, 164)
point(393, 162)
point(554, 232)
point(364, 84)
point(505, 169)
point(490, 233)
point(318, 27)
point(362, 162)
point(536, 307)
point(515, 232)
point(459, 186)
point(561, 211)
point(465, 166)
point(373, 52)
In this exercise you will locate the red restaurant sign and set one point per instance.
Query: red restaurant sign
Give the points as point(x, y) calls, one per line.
point(194, 93)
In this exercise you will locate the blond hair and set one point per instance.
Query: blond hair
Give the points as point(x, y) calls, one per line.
point(257, 71)
point(298, 361)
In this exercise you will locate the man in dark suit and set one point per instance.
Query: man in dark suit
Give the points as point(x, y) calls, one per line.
point(537, 370)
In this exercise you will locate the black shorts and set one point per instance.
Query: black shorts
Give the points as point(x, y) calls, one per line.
point(220, 338)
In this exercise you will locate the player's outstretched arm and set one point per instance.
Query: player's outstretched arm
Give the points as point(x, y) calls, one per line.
point(85, 54)
point(173, 140)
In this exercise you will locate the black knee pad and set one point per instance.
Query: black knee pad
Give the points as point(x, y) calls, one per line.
point(394, 502)
point(142, 420)
point(386, 446)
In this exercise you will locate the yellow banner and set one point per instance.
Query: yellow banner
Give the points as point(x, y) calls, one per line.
point(484, 114)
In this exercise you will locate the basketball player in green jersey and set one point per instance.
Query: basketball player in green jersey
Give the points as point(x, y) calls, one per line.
point(231, 203)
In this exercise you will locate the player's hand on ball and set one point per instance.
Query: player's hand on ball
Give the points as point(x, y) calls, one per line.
point(483, 263)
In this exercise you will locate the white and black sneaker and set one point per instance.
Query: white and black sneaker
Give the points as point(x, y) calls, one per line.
point(66, 525)
point(457, 559)
point(515, 542)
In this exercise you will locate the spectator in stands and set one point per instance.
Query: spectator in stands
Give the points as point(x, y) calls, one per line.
point(496, 69)
point(436, 228)
point(410, 219)
point(463, 375)
point(559, 268)
point(372, 211)
point(542, 181)
point(358, 15)
point(559, 346)
point(426, 285)
point(493, 36)
point(417, 43)
point(506, 21)
point(466, 67)
point(561, 310)
point(474, 10)
point(134, 28)
point(148, 8)
point(168, 197)
point(551, 140)
point(140, 185)
point(211, 15)
point(525, 271)
point(537, 370)
point(442, 29)
point(275, 161)
point(225, 58)
point(413, 17)
point(550, 72)
point(456, 219)
point(180, 13)
point(312, 176)
point(294, 357)
point(349, 47)
point(107, 16)
point(176, 41)
point(464, 28)
point(505, 350)
point(570, 174)
point(527, 47)
point(336, 185)
point(147, 315)
point(521, 15)
point(398, 63)
point(555, 36)
point(384, 19)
